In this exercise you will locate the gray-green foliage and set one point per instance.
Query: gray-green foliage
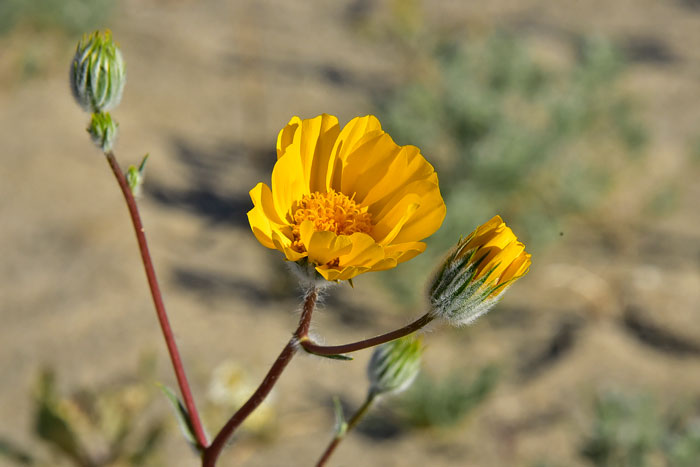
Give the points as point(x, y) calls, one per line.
point(445, 402)
point(624, 432)
point(69, 16)
point(511, 136)
point(631, 432)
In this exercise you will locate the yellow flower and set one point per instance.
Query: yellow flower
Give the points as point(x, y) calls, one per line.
point(497, 255)
point(349, 201)
point(477, 272)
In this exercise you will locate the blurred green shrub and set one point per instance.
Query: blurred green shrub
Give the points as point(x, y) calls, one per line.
point(69, 16)
point(37, 32)
point(444, 402)
point(508, 135)
point(630, 432)
point(90, 428)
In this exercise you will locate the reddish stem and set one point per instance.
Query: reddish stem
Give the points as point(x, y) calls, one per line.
point(329, 451)
point(212, 452)
point(158, 302)
point(318, 349)
point(340, 436)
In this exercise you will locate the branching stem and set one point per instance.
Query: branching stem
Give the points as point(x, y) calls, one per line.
point(211, 453)
point(318, 349)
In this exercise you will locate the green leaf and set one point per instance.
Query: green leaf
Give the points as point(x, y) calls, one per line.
point(341, 426)
point(339, 356)
point(50, 425)
point(183, 417)
point(142, 166)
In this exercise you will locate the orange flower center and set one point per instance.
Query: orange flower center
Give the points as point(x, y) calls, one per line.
point(332, 212)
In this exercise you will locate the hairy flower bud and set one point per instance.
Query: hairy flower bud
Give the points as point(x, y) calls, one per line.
point(475, 274)
point(103, 130)
point(394, 365)
point(97, 72)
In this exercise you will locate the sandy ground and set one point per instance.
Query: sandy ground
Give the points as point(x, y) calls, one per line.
point(210, 84)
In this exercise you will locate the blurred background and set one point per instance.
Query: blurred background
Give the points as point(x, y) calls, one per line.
point(577, 122)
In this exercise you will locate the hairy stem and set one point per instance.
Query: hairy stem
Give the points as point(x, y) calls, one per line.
point(158, 302)
point(211, 453)
point(351, 424)
point(318, 349)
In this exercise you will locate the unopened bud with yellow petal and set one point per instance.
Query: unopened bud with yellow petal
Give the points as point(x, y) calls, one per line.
point(477, 272)
point(394, 365)
point(97, 72)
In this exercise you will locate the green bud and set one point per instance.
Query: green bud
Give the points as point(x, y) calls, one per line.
point(394, 365)
point(97, 72)
point(103, 130)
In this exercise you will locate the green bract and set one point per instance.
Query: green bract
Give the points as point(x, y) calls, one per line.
point(103, 130)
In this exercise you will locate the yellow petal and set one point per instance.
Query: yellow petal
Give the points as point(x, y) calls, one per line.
point(323, 246)
point(284, 244)
point(427, 220)
point(386, 263)
point(498, 259)
point(404, 251)
point(316, 140)
point(263, 218)
point(341, 274)
point(286, 135)
point(391, 222)
point(517, 268)
point(262, 198)
point(365, 251)
point(356, 130)
point(367, 164)
point(288, 183)
point(260, 226)
point(302, 164)
point(418, 189)
point(484, 233)
point(407, 167)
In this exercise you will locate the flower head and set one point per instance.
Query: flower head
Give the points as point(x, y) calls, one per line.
point(395, 365)
point(348, 200)
point(477, 272)
point(97, 72)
